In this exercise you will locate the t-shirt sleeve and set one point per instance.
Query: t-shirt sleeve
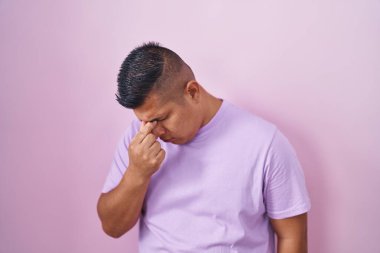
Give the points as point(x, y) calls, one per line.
point(121, 159)
point(285, 192)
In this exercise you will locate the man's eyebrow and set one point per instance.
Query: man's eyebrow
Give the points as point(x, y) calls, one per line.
point(155, 119)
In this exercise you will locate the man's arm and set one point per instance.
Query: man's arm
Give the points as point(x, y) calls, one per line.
point(291, 234)
point(120, 208)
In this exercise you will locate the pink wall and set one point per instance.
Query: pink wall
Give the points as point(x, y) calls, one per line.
point(311, 67)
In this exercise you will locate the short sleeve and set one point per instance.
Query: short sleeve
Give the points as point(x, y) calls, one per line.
point(120, 160)
point(285, 192)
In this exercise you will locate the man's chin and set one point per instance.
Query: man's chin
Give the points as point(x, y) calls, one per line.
point(175, 141)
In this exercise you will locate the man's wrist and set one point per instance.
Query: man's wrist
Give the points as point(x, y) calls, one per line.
point(133, 176)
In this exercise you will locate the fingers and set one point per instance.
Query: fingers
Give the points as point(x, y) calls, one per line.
point(155, 148)
point(161, 155)
point(145, 129)
point(145, 152)
point(149, 140)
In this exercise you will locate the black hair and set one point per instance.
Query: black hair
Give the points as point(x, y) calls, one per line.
point(147, 67)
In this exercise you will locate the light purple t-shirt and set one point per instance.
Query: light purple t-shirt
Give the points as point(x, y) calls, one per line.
point(217, 192)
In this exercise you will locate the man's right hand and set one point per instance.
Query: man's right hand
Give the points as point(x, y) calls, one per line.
point(145, 157)
point(145, 152)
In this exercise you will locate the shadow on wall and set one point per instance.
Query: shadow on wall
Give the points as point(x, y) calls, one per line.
point(312, 164)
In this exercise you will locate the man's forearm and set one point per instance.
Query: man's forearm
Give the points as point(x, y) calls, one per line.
point(120, 209)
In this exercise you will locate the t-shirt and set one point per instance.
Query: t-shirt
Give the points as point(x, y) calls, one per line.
point(217, 192)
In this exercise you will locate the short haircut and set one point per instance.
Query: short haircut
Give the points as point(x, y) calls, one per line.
point(149, 67)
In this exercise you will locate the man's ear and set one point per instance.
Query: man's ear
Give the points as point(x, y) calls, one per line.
point(192, 90)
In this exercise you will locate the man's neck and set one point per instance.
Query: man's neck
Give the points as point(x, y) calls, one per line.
point(212, 105)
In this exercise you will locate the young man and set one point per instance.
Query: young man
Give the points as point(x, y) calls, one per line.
point(201, 174)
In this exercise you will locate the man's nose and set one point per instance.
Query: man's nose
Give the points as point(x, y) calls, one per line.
point(158, 130)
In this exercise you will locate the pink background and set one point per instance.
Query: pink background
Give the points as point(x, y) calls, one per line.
point(311, 67)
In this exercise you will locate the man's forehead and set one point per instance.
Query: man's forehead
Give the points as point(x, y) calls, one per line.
point(153, 108)
point(148, 115)
point(150, 112)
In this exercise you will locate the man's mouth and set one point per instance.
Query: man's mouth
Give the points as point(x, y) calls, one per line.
point(167, 140)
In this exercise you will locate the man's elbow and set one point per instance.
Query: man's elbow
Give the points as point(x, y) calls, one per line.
point(112, 226)
point(109, 227)
point(114, 233)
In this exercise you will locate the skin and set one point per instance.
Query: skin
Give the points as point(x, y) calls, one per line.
point(145, 158)
point(177, 123)
point(291, 234)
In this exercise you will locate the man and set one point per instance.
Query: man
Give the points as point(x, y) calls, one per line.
point(201, 174)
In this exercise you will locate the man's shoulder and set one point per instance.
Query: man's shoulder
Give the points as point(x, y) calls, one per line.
point(246, 118)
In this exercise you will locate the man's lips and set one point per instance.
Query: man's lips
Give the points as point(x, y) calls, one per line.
point(167, 140)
